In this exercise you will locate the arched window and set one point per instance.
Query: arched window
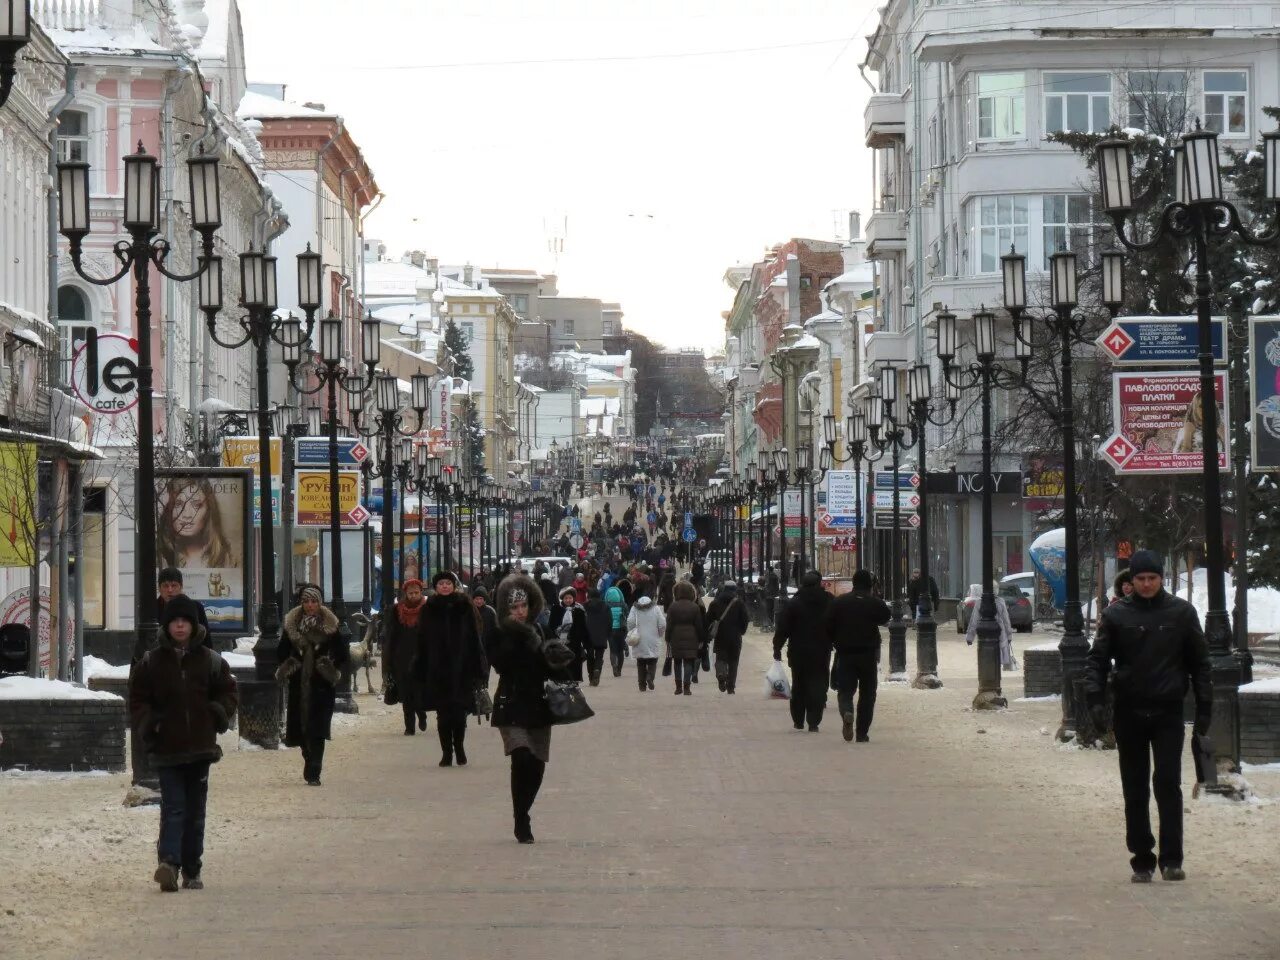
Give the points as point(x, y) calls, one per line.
point(73, 326)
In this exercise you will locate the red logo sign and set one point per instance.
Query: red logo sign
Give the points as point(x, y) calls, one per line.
point(1116, 341)
point(914, 520)
point(358, 453)
point(914, 480)
point(359, 515)
point(1118, 449)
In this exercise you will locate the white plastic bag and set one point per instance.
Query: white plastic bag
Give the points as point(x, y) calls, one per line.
point(777, 686)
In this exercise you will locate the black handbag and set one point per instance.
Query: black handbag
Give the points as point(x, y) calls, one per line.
point(391, 694)
point(566, 702)
point(666, 667)
point(484, 702)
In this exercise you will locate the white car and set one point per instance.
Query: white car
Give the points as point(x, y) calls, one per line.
point(1026, 582)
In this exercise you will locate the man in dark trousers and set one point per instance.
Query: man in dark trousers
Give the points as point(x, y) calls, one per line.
point(915, 590)
point(802, 629)
point(853, 625)
point(1158, 649)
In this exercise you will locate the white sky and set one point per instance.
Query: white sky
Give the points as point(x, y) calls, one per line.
point(669, 169)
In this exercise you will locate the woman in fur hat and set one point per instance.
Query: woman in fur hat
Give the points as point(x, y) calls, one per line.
point(451, 663)
point(404, 639)
point(311, 658)
point(568, 622)
point(524, 659)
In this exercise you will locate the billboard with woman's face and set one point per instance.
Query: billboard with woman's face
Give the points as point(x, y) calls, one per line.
point(202, 520)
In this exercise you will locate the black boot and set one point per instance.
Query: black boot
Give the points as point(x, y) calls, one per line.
point(459, 735)
point(526, 778)
point(446, 743)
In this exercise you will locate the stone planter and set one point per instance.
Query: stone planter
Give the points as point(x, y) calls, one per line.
point(1041, 671)
point(63, 734)
point(1260, 722)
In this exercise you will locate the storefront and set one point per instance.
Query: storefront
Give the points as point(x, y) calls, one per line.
point(955, 528)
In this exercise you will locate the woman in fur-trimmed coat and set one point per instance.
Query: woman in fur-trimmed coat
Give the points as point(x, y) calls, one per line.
point(524, 659)
point(451, 664)
point(311, 656)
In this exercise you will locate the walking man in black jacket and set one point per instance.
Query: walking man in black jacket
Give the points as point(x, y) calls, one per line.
point(1156, 643)
point(853, 625)
point(802, 630)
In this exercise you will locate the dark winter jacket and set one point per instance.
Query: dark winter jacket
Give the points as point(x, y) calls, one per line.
point(854, 620)
point(730, 613)
point(686, 623)
point(400, 652)
point(771, 586)
point(914, 588)
point(311, 660)
point(451, 662)
point(599, 622)
point(1156, 645)
point(569, 624)
point(180, 699)
point(801, 628)
point(524, 659)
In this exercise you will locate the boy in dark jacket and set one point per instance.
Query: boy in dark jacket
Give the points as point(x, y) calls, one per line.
point(181, 696)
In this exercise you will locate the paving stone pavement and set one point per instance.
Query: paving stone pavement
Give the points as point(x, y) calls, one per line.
point(691, 827)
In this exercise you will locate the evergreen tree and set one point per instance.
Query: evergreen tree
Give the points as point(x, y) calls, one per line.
point(473, 437)
point(459, 350)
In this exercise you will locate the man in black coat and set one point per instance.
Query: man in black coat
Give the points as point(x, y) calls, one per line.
point(915, 590)
point(853, 627)
point(729, 613)
point(802, 629)
point(1158, 649)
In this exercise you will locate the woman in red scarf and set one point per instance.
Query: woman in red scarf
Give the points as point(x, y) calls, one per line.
point(404, 640)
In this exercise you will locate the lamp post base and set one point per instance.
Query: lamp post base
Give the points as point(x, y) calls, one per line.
point(989, 700)
point(926, 654)
point(897, 648)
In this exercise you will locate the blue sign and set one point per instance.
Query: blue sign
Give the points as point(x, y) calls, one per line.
point(689, 535)
point(1153, 341)
point(314, 452)
point(908, 479)
point(575, 524)
point(688, 519)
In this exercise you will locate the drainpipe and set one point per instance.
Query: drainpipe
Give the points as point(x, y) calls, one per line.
point(345, 283)
point(53, 357)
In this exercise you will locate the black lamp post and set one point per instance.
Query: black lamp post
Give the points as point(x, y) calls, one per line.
point(781, 472)
point(1199, 213)
point(387, 424)
point(15, 33)
point(143, 250)
point(984, 374)
point(892, 434)
point(262, 328)
point(439, 490)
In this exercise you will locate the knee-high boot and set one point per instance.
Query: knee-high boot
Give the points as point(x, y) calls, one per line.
point(526, 778)
point(445, 733)
point(459, 735)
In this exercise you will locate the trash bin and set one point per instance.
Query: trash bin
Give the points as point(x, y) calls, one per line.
point(15, 649)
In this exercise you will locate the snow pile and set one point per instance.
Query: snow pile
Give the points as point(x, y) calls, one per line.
point(1042, 646)
point(239, 660)
point(27, 688)
point(1264, 602)
point(97, 667)
point(1269, 685)
point(245, 644)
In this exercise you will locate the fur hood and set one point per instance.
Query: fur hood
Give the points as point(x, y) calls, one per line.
point(293, 620)
point(502, 599)
point(684, 590)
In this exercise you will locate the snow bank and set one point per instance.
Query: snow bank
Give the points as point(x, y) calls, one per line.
point(97, 667)
point(26, 688)
point(1269, 685)
point(238, 660)
point(1048, 698)
point(1264, 602)
point(245, 644)
point(1043, 646)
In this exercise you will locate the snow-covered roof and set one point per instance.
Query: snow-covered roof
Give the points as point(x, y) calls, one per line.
point(262, 107)
point(600, 406)
point(95, 38)
point(401, 314)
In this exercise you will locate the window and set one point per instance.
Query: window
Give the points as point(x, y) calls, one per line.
point(606, 328)
point(806, 281)
point(73, 136)
point(1001, 106)
point(92, 564)
point(1068, 222)
point(568, 326)
point(1226, 102)
point(520, 303)
point(73, 326)
point(1002, 222)
point(1157, 100)
point(1077, 101)
point(468, 330)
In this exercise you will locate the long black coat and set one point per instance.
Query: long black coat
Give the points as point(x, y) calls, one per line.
point(802, 630)
point(575, 635)
point(854, 621)
point(518, 652)
point(401, 653)
point(451, 662)
point(731, 614)
point(599, 623)
point(320, 692)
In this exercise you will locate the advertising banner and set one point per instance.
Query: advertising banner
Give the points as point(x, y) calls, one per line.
point(1264, 391)
point(793, 512)
point(240, 452)
point(17, 503)
point(1157, 423)
point(104, 372)
point(202, 528)
point(311, 499)
point(841, 514)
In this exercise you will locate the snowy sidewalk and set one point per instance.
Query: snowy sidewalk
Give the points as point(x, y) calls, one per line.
point(668, 827)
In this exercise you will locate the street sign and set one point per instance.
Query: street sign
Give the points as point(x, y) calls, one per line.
point(688, 519)
point(314, 451)
point(908, 479)
point(1158, 341)
point(575, 541)
point(244, 452)
point(311, 499)
point(575, 524)
point(1158, 423)
point(884, 520)
point(689, 535)
point(907, 500)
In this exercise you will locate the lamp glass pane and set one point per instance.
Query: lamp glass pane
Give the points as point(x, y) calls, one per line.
point(211, 285)
point(421, 390)
point(331, 338)
point(1022, 338)
point(309, 269)
point(313, 421)
point(388, 401)
point(1014, 273)
point(251, 279)
point(1062, 279)
point(206, 203)
point(1114, 174)
point(829, 428)
point(875, 413)
point(1180, 175)
point(804, 458)
point(269, 300)
point(73, 198)
point(140, 196)
point(1204, 184)
point(889, 384)
point(984, 333)
point(946, 335)
point(15, 20)
point(1113, 278)
point(370, 340)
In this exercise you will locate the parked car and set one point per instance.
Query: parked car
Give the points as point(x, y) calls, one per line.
point(1026, 582)
point(1020, 608)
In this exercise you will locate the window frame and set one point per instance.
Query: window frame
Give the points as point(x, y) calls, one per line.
point(1205, 94)
point(1035, 247)
point(1013, 226)
point(1089, 226)
point(84, 139)
point(1128, 106)
point(1046, 96)
point(979, 97)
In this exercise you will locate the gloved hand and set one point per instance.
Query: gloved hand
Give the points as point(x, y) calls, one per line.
point(1201, 725)
point(1098, 714)
point(777, 655)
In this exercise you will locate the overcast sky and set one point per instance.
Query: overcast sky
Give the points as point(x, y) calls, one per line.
point(669, 157)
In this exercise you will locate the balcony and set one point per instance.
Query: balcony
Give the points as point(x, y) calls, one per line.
point(885, 120)
point(896, 348)
point(886, 234)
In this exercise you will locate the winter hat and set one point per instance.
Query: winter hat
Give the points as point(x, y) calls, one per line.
point(1145, 561)
point(480, 592)
point(444, 575)
point(568, 592)
point(310, 592)
point(731, 586)
point(862, 580)
point(411, 582)
point(181, 607)
point(580, 576)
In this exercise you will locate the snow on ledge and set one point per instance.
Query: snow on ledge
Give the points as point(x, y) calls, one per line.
point(1269, 685)
point(97, 667)
point(26, 688)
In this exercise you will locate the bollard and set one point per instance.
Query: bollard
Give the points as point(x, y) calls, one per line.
point(260, 713)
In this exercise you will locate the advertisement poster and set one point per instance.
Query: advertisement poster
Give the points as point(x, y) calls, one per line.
point(17, 499)
point(841, 514)
point(202, 524)
point(16, 608)
point(1158, 419)
point(1264, 386)
point(311, 498)
point(243, 452)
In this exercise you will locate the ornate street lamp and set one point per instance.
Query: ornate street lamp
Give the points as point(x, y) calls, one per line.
point(15, 33)
point(1198, 213)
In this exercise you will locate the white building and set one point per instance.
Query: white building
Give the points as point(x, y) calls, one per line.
point(967, 93)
